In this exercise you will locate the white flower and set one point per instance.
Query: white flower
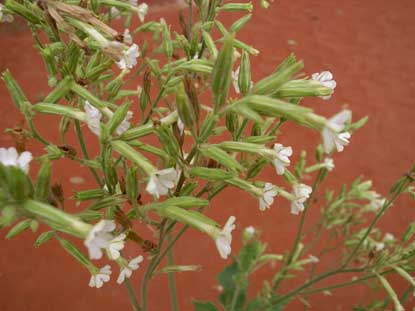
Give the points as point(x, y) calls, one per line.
point(268, 198)
point(128, 270)
point(301, 193)
point(129, 59)
point(332, 134)
point(235, 77)
point(281, 159)
point(142, 11)
point(100, 237)
point(161, 181)
point(389, 237)
point(10, 157)
point(329, 163)
point(115, 246)
point(4, 17)
point(125, 124)
point(97, 280)
point(250, 230)
point(326, 79)
point(127, 39)
point(313, 259)
point(377, 202)
point(180, 125)
point(93, 118)
point(224, 239)
point(115, 13)
point(379, 246)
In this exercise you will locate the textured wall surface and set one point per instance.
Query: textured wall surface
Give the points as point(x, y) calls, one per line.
point(368, 45)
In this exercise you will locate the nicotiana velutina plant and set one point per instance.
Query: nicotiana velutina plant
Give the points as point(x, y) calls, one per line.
point(211, 128)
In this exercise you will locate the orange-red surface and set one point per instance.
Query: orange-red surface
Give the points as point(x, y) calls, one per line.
point(368, 45)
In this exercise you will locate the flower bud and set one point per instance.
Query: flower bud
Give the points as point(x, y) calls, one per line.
point(302, 88)
point(237, 25)
point(55, 109)
point(184, 108)
point(117, 118)
point(43, 181)
point(222, 72)
point(232, 122)
point(130, 153)
point(222, 157)
point(272, 83)
point(211, 174)
point(244, 79)
point(14, 89)
point(132, 184)
point(237, 7)
point(210, 44)
point(168, 140)
point(89, 194)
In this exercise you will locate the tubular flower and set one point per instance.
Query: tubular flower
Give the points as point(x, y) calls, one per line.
point(281, 160)
point(268, 198)
point(161, 181)
point(301, 193)
point(326, 79)
point(332, 133)
point(224, 239)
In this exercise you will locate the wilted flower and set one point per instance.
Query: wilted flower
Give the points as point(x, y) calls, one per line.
point(332, 134)
point(389, 237)
point(281, 160)
point(301, 193)
point(93, 118)
point(100, 237)
point(129, 58)
point(180, 125)
point(4, 17)
point(142, 11)
point(224, 240)
point(125, 124)
point(268, 197)
point(128, 270)
point(127, 39)
point(10, 157)
point(377, 202)
point(329, 164)
point(326, 79)
point(97, 280)
point(235, 77)
point(313, 259)
point(161, 181)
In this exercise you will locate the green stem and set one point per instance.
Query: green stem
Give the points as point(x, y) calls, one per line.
point(172, 284)
point(131, 294)
point(80, 137)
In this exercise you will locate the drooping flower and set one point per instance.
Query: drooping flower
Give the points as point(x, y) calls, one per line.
point(5, 17)
point(268, 198)
point(301, 193)
point(115, 246)
point(125, 124)
point(128, 270)
point(129, 58)
point(142, 11)
point(235, 77)
point(161, 181)
point(97, 280)
point(329, 163)
point(332, 133)
point(10, 157)
point(281, 159)
point(326, 79)
point(100, 237)
point(93, 118)
point(127, 39)
point(313, 259)
point(224, 239)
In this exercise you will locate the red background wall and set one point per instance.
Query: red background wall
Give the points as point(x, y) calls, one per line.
point(368, 45)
